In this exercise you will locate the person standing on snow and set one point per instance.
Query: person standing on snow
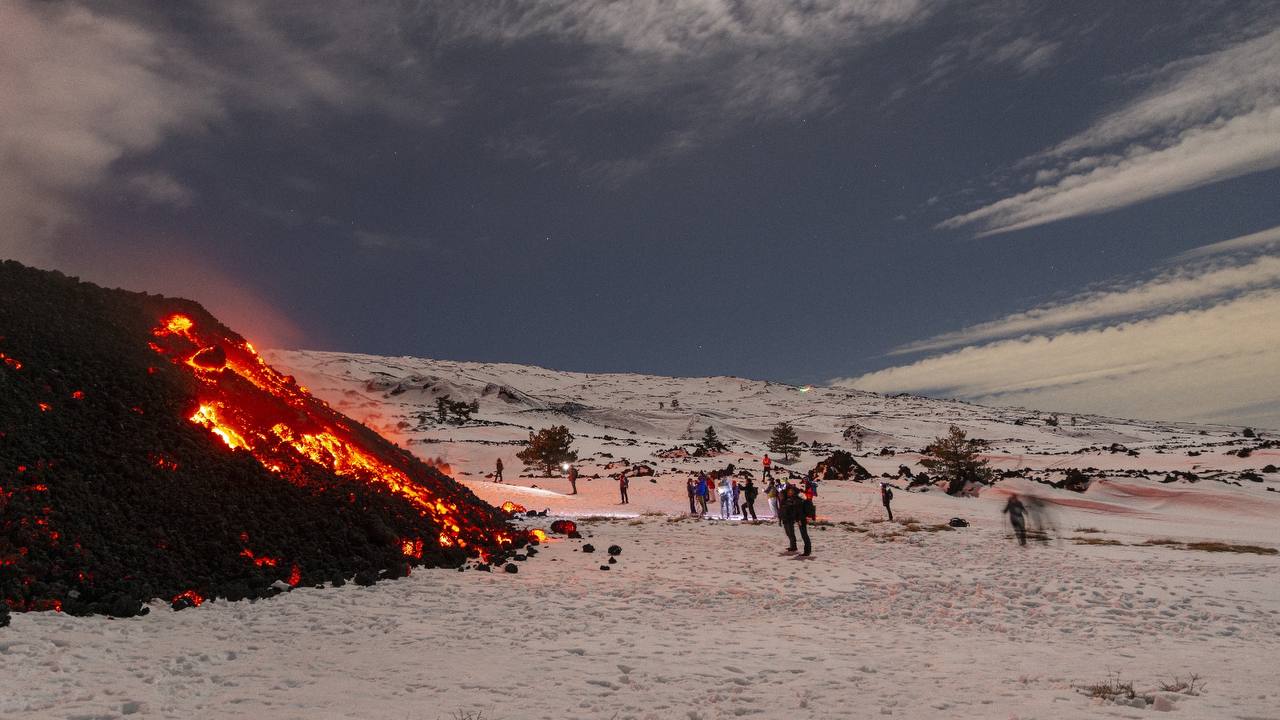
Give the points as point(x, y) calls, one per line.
point(749, 492)
point(726, 494)
point(704, 491)
point(768, 467)
point(737, 497)
point(623, 482)
point(573, 479)
point(692, 486)
point(810, 486)
point(886, 497)
point(1017, 515)
point(771, 492)
point(796, 511)
point(497, 471)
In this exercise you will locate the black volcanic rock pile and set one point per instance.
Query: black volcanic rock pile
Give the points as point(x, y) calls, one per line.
point(111, 496)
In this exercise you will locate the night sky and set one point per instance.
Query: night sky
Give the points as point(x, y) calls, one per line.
point(1070, 206)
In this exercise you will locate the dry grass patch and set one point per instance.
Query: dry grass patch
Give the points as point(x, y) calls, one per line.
point(1089, 530)
point(1112, 690)
point(1095, 541)
point(1161, 541)
point(1228, 547)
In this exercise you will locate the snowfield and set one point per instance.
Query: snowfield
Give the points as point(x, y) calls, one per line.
point(707, 618)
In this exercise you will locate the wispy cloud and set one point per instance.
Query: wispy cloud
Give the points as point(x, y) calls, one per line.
point(80, 91)
point(1193, 281)
point(1208, 118)
point(1215, 364)
point(1198, 341)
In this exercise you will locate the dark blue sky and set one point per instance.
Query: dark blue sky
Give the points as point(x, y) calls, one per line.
point(753, 188)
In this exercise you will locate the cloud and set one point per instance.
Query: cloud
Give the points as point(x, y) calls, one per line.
point(1216, 364)
point(1194, 341)
point(1207, 119)
point(1195, 281)
point(80, 91)
point(705, 66)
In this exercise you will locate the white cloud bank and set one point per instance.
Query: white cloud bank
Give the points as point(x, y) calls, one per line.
point(1209, 118)
point(1199, 341)
point(1218, 364)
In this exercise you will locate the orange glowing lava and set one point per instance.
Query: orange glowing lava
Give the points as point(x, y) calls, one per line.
point(251, 406)
point(194, 597)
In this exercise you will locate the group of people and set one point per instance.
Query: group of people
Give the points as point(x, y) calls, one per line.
point(792, 506)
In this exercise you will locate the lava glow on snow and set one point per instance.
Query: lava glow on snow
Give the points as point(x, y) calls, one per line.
point(252, 407)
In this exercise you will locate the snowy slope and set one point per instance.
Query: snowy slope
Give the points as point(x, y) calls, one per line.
point(705, 619)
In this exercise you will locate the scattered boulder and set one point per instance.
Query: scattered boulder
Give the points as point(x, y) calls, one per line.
point(588, 548)
point(511, 567)
point(615, 550)
point(840, 465)
point(956, 522)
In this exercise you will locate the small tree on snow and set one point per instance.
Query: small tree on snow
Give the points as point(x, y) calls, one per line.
point(549, 448)
point(784, 440)
point(954, 458)
point(711, 441)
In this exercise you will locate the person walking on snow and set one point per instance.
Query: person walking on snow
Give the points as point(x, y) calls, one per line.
point(692, 487)
point(768, 467)
point(623, 482)
point(1017, 515)
point(573, 479)
point(886, 497)
point(749, 492)
point(497, 471)
point(810, 486)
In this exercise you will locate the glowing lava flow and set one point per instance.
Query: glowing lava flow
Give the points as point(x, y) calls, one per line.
point(281, 424)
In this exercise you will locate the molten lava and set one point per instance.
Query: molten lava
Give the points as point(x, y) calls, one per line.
point(252, 407)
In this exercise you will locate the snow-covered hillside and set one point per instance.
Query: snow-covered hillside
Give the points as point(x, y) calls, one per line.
point(1162, 570)
point(619, 419)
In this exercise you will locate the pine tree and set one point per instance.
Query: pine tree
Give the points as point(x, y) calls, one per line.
point(711, 441)
point(549, 448)
point(954, 458)
point(784, 440)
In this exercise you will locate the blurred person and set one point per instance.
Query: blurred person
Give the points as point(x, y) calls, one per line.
point(886, 497)
point(749, 493)
point(1017, 512)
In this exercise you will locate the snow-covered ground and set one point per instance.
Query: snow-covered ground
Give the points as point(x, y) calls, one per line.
point(706, 619)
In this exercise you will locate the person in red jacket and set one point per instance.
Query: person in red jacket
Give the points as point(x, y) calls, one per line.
point(623, 482)
point(768, 467)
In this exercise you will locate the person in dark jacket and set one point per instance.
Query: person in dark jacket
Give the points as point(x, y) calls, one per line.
point(704, 492)
point(497, 471)
point(573, 479)
point(623, 484)
point(692, 487)
point(749, 492)
point(886, 497)
point(796, 510)
point(1017, 516)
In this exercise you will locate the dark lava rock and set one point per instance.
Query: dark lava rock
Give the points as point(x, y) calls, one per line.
point(4, 616)
point(484, 567)
point(511, 568)
point(119, 497)
point(588, 548)
point(604, 567)
point(531, 551)
point(575, 535)
point(615, 550)
point(613, 561)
